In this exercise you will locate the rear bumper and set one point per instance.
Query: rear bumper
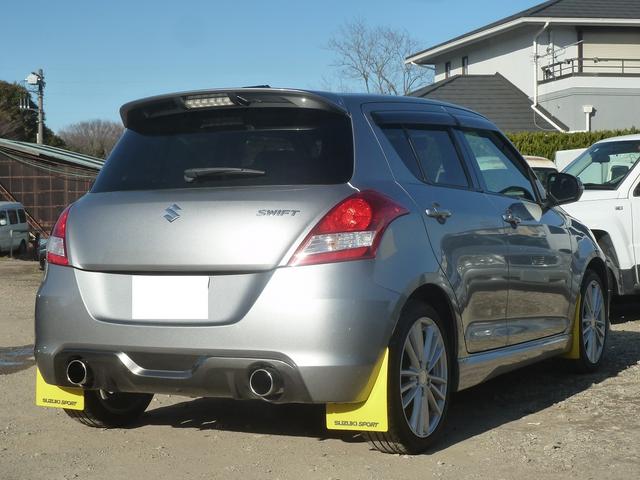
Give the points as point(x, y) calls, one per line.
point(322, 328)
point(180, 373)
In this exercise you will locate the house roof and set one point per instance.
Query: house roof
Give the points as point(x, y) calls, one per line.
point(579, 12)
point(47, 153)
point(493, 96)
point(588, 9)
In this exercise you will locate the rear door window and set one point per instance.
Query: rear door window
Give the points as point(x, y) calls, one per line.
point(429, 153)
point(274, 146)
point(13, 217)
point(22, 216)
point(438, 157)
point(397, 136)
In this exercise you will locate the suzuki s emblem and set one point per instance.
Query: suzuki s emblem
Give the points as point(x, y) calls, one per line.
point(172, 213)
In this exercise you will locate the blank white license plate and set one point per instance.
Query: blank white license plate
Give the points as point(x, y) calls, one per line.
point(169, 298)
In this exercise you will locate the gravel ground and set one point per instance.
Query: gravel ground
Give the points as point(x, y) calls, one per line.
point(541, 422)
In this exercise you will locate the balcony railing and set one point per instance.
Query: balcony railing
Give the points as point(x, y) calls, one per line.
point(593, 66)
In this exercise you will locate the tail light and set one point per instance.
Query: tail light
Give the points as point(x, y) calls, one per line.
point(352, 230)
point(56, 246)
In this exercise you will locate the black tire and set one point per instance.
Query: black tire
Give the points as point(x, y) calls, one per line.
point(400, 437)
point(588, 362)
point(22, 249)
point(104, 410)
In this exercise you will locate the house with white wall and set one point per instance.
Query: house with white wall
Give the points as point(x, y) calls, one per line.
point(577, 61)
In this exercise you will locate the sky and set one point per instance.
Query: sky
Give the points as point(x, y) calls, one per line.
point(97, 55)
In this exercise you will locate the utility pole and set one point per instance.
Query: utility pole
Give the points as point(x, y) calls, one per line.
point(37, 79)
point(40, 107)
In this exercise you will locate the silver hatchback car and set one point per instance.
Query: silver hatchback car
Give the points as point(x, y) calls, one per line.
point(375, 254)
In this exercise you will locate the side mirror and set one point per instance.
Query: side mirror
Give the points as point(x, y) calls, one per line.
point(3, 222)
point(563, 188)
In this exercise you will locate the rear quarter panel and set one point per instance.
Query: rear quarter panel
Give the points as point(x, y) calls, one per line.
point(413, 264)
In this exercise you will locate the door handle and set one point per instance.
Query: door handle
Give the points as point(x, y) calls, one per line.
point(510, 218)
point(438, 213)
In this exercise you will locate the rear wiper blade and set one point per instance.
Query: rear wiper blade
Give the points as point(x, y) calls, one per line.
point(192, 174)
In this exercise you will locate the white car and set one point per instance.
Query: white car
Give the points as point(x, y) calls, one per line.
point(610, 205)
point(14, 229)
point(541, 166)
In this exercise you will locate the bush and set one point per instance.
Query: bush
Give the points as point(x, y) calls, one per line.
point(546, 144)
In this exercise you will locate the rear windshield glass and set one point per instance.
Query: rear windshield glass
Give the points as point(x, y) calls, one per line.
point(272, 146)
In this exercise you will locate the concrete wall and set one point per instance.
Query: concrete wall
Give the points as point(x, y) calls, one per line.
point(619, 43)
point(511, 55)
point(616, 99)
point(614, 107)
point(623, 43)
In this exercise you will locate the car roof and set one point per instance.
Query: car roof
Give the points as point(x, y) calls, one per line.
point(621, 138)
point(11, 204)
point(336, 101)
point(539, 162)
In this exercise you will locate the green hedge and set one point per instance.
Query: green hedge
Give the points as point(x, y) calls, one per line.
point(546, 144)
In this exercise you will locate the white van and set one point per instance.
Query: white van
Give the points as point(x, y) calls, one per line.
point(14, 229)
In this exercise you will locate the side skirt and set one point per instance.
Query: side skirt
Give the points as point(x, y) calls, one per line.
point(479, 367)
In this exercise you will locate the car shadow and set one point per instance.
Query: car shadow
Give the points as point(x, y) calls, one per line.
point(625, 309)
point(499, 401)
point(252, 416)
point(532, 389)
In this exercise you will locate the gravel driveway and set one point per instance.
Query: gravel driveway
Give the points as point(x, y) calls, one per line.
point(537, 423)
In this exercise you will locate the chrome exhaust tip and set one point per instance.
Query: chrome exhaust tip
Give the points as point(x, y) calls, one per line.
point(265, 383)
point(78, 373)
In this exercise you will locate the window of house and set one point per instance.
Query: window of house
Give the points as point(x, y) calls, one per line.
point(465, 65)
point(447, 70)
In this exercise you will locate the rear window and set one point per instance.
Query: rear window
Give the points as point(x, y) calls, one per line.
point(274, 146)
point(22, 216)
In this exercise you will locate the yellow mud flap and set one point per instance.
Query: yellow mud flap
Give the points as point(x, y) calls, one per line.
point(574, 353)
point(370, 415)
point(57, 397)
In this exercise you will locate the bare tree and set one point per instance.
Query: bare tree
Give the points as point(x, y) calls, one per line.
point(92, 137)
point(375, 57)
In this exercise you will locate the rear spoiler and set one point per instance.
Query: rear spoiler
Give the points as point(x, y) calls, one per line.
point(162, 105)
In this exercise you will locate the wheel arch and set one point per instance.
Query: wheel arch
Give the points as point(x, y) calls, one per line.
point(612, 267)
point(606, 244)
point(597, 265)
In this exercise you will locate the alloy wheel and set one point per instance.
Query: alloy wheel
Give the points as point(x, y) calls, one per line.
point(593, 322)
point(424, 377)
